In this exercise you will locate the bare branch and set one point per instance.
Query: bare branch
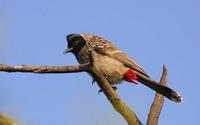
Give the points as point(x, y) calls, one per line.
point(44, 69)
point(157, 104)
point(112, 96)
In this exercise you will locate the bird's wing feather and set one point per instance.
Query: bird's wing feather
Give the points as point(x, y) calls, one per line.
point(107, 48)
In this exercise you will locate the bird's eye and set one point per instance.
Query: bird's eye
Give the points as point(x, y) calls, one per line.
point(73, 42)
point(76, 43)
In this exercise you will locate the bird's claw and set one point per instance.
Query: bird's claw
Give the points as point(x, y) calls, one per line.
point(93, 81)
point(114, 88)
point(100, 91)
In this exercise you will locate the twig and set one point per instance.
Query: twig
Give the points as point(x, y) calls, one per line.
point(157, 104)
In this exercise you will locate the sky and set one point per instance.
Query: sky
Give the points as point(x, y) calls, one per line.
point(152, 32)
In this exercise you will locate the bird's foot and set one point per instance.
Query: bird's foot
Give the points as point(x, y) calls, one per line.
point(114, 87)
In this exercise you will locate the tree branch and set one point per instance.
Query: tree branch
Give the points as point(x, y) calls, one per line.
point(157, 104)
point(112, 96)
point(44, 69)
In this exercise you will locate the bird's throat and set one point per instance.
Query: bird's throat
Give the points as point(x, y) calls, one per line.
point(130, 76)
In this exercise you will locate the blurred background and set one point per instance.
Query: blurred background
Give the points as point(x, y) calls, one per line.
point(153, 32)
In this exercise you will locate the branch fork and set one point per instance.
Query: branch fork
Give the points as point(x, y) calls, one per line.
point(128, 114)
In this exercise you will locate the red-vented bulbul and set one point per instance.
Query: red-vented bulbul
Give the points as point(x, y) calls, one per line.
point(114, 64)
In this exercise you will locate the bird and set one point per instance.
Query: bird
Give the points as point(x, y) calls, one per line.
point(115, 65)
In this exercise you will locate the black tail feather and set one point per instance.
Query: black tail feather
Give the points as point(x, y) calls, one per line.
point(164, 90)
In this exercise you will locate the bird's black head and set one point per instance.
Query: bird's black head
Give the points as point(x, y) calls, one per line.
point(75, 43)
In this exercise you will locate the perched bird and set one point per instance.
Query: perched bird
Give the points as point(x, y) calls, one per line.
point(114, 64)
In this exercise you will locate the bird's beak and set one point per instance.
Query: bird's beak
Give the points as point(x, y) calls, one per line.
point(68, 50)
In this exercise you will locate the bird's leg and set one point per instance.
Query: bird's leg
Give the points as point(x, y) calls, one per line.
point(93, 80)
point(114, 87)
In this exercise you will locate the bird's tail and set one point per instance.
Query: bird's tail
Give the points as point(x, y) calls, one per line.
point(164, 90)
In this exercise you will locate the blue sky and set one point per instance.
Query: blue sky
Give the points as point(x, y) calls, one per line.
point(153, 32)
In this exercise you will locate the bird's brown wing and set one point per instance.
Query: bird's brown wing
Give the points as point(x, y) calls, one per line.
point(107, 48)
point(122, 57)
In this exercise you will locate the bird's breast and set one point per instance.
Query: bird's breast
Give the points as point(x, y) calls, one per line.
point(112, 69)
